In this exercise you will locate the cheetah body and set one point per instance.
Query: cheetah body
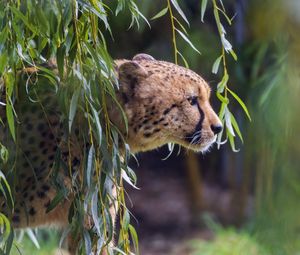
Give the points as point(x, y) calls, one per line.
point(163, 103)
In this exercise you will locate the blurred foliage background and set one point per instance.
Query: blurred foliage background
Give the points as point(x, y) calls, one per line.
point(234, 203)
point(256, 189)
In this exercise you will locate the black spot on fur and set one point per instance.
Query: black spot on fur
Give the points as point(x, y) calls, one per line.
point(32, 211)
point(51, 157)
point(41, 194)
point(125, 98)
point(166, 111)
point(156, 130)
point(40, 127)
point(147, 135)
point(25, 188)
point(42, 144)
point(31, 198)
point(45, 187)
point(29, 127)
point(145, 121)
point(75, 161)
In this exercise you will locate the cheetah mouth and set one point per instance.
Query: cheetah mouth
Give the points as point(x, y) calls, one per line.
point(198, 143)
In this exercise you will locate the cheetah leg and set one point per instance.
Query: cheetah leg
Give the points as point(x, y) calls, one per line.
point(73, 242)
point(31, 211)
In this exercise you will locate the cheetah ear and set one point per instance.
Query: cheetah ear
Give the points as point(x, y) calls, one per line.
point(130, 70)
point(142, 56)
point(130, 74)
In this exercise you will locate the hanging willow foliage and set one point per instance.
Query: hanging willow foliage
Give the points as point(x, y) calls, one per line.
point(32, 32)
point(71, 32)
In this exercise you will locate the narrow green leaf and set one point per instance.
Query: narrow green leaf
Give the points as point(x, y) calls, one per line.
point(90, 166)
point(127, 179)
point(32, 237)
point(60, 57)
point(216, 65)
point(109, 225)
point(3, 61)
point(231, 141)
point(87, 242)
point(3, 153)
point(5, 188)
point(21, 16)
point(134, 238)
point(203, 9)
point(94, 209)
point(222, 84)
point(223, 99)
point(183, 59)
point(59, 197)
point(126, 219)
point(10, 119)
point(187, 40)
point(97, 122)
point(225, 15)
point(222, 110)
point(160, 14)
point(242, 104)
point(178, 9)
point(228, 122)
point(236, 127)
point(5, 226)
point(73, 107)
point(233, 54)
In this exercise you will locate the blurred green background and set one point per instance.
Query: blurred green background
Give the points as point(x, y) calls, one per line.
point(234, 203)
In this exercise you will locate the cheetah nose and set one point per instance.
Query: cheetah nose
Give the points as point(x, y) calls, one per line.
point(216, 128)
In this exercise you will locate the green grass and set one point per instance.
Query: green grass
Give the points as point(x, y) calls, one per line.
point(48, 242)
point(228, 242)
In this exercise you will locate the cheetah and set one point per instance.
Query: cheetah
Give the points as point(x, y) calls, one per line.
point(163, 103)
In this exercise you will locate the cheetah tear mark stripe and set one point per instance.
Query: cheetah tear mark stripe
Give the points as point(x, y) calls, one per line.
point(189, 138)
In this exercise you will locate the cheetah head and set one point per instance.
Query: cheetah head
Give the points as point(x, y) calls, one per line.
point(165, 103)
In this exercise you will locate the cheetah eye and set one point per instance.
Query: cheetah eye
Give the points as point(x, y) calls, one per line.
point(193, 100)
